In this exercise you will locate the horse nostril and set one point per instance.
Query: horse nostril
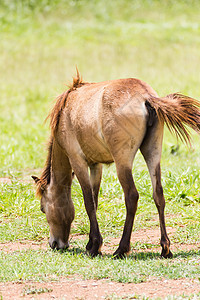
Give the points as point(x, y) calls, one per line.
point(54, 245)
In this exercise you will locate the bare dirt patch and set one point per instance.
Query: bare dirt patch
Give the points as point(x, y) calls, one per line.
point(5, 180)
point(23, 245)
point(101, 289)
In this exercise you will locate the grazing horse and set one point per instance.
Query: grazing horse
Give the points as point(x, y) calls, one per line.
point(100, 123)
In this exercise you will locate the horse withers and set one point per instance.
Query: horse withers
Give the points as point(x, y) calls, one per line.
point(100, 123)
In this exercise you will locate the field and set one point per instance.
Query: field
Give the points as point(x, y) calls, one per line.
point(41, 43)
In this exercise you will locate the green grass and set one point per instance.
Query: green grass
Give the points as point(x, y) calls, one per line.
point(41, 43)
point(50, 265)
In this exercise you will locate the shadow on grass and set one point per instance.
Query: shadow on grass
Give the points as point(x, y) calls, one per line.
point(133, 256)
point(77, 251)
point(185, 254)
point(72, 251)
point(137, 256)
point(156, 255)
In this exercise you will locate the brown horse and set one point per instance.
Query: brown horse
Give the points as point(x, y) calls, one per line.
point(100, 123)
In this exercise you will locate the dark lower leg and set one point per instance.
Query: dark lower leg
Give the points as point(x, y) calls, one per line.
point(165, 242)
point(95, 239)
point(95, 178)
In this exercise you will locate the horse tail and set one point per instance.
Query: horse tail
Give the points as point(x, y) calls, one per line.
point(177, 111)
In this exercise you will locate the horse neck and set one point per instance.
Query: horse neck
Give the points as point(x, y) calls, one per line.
point(61, 173)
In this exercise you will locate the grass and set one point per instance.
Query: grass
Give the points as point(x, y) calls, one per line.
point(31, 290)
point(50, 265)
point(41, 42)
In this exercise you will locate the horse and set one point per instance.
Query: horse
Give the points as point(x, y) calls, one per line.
point(101, 123)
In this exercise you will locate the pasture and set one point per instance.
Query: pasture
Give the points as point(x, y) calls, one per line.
point(41, 42)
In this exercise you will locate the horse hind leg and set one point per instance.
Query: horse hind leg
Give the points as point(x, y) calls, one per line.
point(151, 150)
point(131, 199)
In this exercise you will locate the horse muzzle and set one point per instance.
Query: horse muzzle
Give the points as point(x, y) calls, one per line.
point(58, 244)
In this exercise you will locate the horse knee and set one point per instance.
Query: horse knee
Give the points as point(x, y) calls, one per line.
point(134, 195)
point(159, 191)
point(131, 200)
point(158, 197)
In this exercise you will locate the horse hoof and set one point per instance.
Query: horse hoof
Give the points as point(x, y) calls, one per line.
point(94, 250)
point(166, 254)
point(119, 255)
point(122, 252)
point(89, 245)
point(94, 247)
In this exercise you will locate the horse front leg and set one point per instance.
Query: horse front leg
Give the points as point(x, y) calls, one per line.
point(95, 178)
point(95, 238)
point(131, 199)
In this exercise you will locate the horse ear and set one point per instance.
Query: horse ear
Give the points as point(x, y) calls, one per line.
point(36, 179)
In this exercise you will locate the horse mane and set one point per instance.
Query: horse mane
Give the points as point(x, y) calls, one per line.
point(54, 117)
point(46, 173)
point(55, 113)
